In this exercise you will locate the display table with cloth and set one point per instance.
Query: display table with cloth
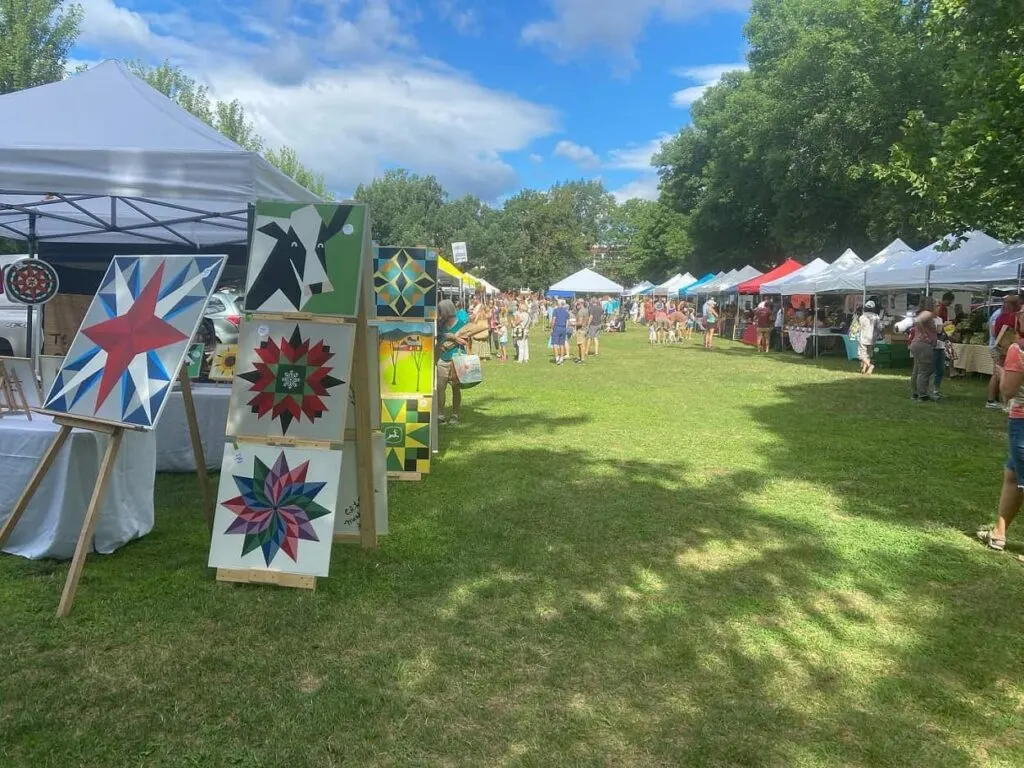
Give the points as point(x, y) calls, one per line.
point(973, 358)
point(53, 521)
point(173, 444)
point(801, 339)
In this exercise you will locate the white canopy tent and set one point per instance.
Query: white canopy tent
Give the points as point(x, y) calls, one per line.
point(672, 285)
point(488, 288)
point(806, 272)
point(102, 157)
point(844, 275)
point(702, 288)
point(1000, 266)
point(639, 288)
point(729, 285)
point(586, 281)
point(914, 270)
point(715, 286)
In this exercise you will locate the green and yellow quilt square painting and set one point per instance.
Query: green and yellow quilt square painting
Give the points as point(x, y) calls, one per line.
point(306, 258)
point(405, 282)
point(405, 422)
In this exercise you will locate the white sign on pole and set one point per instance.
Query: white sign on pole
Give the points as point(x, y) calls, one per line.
point(459, 253)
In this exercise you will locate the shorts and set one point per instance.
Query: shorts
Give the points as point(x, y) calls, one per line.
point(580, 336)
point(864, 353)
point(593, 331)
point(1015, 461)
point(998, 358)
point(558, 337)
point(764, 333)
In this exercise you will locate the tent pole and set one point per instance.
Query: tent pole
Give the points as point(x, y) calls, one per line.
point(928, 280)
point(33, 247)
point(1020, 277)
point(814, 322)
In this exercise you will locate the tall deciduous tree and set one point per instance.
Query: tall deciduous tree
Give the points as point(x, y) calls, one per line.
point(405, 208)
point(35, 39)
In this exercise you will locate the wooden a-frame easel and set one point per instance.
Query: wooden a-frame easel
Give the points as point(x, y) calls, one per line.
point(12, 394)
point(116, 433)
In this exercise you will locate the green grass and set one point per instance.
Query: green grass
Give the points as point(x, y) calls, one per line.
point(666, 558)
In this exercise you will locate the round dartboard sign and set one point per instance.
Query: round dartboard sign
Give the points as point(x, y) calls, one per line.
point(30, 281)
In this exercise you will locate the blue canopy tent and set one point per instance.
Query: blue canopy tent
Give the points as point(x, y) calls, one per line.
point(694, 288)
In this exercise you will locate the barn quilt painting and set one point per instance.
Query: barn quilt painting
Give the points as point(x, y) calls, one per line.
point(306, 258)
point(405, 423)
point(275, 509)
point(133, 338)
point(405, 282)
point(223, 362)
point(406, 358)
point(292, 379)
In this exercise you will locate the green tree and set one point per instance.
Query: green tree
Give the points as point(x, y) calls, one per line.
point(651, 240)
point(405, 208)
point(35, 39)
point(287, 161)
point(965, 159)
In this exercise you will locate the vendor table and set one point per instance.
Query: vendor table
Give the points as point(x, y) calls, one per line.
point(973, 358)
point(802, 339)
point(173, 447)
point(53, 521)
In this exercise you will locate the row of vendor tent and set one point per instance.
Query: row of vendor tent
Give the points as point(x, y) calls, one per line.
point(584, 281)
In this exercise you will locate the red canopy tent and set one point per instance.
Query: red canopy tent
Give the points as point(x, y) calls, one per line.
point(754, 286)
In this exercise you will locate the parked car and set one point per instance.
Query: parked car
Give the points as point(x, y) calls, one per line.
point(225, 313)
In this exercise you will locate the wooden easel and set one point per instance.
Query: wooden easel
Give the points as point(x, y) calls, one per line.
point(362, 430)
point(12, 394)
point(116, 433)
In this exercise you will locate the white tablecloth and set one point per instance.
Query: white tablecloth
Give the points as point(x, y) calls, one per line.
point(173, 445)
point(51, 524)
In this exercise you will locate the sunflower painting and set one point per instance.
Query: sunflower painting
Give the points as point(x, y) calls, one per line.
point(223, 366)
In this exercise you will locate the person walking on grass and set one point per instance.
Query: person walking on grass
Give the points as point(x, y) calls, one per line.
point(1012, 493)
point(922, 349)
point(582, 325)
point(521, 337)
point(1005, 317)
point(868, 326)
point(763, 319)
point(594, 327)
point(560, 332)
point(710, 323)
point(449, 343)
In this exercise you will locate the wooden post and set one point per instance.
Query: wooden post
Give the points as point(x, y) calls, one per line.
point(33, 484)
point(197, 446)
point(92, 514)
point(364, 432)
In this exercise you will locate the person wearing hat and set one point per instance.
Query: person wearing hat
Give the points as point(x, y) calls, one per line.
point(869, 325)
point(710, 322)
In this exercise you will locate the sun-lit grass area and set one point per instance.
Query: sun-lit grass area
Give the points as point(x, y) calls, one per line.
point(665, 558)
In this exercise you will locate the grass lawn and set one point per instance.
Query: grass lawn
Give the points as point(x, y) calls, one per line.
point(665, 558)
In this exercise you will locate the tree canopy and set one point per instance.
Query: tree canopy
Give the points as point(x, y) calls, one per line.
point(35, 39)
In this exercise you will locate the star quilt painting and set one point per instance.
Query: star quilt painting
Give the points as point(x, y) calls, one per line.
point(133, 338)
point(306, 258)
point(405, 423)
point(405, 282)
point(275, 509)
point(292, 380)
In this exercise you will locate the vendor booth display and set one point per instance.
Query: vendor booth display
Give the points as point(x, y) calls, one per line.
point(223, 362)
point(119, 370)
point(405, 282)
point(406, 358)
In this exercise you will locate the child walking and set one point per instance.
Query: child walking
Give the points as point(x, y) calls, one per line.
point(521, 336)
point(503, 342)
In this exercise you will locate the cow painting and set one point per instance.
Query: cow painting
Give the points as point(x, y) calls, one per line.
point(288, 261)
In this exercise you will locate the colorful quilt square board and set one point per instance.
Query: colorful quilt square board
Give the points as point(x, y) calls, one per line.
point(306, 258)
point(225, 359)
point(405, 422)
point(346, 520)
point(275, 509)
point(405, 282)
point(133, 338)
point(292, 379)
point(406, 358)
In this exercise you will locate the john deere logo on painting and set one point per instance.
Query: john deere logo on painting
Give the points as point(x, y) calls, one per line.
point(394, 434)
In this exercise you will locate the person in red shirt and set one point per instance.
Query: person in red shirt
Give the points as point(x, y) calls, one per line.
point(1007, 319)
point(943, 309)
point(763, 321)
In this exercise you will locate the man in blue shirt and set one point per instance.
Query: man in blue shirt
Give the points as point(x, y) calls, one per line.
point(559, 332)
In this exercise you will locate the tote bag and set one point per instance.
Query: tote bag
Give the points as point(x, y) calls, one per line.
point(467, 370)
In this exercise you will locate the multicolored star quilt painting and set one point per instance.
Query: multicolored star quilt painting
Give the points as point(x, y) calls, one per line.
point(133, 338)
point(306, 258)
point(405, 282)
point(292, 379)
point(275, 509)
point(405, 423)
point(346, 519)
point(224, 362)
point(406, 358)
point(49, 365)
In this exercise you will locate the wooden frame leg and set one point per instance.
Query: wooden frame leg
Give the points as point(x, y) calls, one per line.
point(197, 446)
point(33, 484)
point(364, 439)
point(92, 515)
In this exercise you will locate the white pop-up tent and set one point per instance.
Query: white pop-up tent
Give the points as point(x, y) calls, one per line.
point(586, 281)
point(102, 157)
point(716, 285)
point(914, 270)
point(844, 275)
point(806, 272)
point(1000, 266)
point(731, 284)
point(671, 286)
point(639, 288)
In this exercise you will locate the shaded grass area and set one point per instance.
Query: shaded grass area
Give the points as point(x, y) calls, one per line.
point(665, 558)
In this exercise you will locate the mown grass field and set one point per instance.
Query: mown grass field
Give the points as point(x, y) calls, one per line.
point(665, 558)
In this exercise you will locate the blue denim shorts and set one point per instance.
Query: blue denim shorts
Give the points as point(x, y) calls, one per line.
point(1015, 462)
point(558, 338)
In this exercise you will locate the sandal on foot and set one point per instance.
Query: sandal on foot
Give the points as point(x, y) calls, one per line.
point(992, 542)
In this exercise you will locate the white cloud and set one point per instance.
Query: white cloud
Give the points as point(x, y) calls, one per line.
point(584, 157)
point(350, 109)
point(612, 26)
point(705, 77)
point(463, 20)
point(636, 157)
point(535, 158)
point(644, 188)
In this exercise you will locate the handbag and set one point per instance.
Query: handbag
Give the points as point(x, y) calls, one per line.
point(467, 369)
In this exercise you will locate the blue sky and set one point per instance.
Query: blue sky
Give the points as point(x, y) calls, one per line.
point(490, 97)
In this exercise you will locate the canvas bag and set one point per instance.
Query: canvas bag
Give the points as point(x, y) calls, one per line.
point(467, 370)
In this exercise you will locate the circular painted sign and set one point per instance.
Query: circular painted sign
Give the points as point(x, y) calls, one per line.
point(30, 281)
